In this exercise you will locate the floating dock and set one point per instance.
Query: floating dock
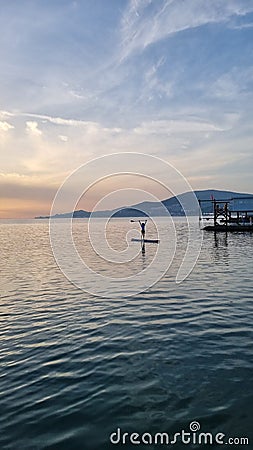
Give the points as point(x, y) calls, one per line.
point(152, 241)
point(230, 228)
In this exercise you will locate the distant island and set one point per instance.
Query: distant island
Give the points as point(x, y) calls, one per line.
point(155, 209)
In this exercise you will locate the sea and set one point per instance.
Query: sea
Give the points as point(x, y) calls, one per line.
point(162, 364)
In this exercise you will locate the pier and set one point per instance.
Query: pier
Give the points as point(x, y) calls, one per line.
point(231, 215)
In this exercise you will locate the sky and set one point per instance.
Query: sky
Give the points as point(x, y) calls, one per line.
point(82, 79)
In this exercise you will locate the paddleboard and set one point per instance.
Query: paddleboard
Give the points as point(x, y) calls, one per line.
point(153, 241)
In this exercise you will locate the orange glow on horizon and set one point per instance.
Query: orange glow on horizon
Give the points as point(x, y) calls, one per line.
point(22, 209)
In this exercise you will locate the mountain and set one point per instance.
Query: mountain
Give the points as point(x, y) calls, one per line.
point(173, 204)
point(155, 209)
point(77, 214)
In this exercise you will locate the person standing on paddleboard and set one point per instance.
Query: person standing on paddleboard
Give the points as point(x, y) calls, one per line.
point(143, 226)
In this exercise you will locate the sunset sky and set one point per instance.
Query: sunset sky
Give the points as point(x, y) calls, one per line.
point(81, 79)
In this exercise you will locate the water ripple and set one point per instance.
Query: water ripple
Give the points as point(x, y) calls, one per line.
point(74, 368)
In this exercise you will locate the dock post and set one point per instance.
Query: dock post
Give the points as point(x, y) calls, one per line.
point(215, 212)
point(226, 214)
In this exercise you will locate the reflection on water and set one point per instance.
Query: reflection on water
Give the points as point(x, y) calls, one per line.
point(75, 367)
point(220, 239)
point(220, 251)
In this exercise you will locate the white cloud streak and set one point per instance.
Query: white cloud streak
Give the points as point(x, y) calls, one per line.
point(147, 21)
point(170, 127)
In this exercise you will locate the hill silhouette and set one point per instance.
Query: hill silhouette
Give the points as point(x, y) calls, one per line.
point(172, 205)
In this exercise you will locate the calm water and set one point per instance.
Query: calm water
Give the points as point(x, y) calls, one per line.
point(74, 367)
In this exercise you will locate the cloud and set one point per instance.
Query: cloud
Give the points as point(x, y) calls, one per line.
point(170, 127)
point(14, 180)
point(33, 125)
point(146, 22)
point(5, 126)
point(32, 128)
point(241, 26)
point(93, 89)
point(90, 125)
point(153, 85)
point(233, 84)
point(63, 138)
point(4, 114)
